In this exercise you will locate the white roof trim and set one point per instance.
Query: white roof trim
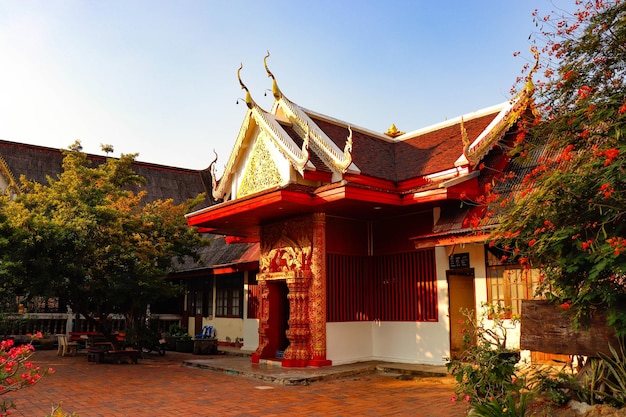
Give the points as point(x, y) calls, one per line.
point(456, 120)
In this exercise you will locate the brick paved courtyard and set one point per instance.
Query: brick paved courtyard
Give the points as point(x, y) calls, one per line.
point(160, 386)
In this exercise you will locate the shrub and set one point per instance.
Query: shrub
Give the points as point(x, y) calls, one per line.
point(486, 371)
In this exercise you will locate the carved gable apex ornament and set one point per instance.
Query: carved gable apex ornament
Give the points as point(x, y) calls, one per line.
point(270, 129)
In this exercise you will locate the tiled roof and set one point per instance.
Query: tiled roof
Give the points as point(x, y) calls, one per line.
point(161, 182)
point(436, 150)
point(314, 158)
point(373, 156)
point(411, 156)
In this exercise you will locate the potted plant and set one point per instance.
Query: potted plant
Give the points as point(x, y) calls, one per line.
point(173, 335)
point(185, 343)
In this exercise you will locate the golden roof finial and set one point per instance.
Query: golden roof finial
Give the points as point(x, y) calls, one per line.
point(275, 90)
point(347, 153)
point(464, 138)
point(249, 101)
point(393, 131)
point(529, 86)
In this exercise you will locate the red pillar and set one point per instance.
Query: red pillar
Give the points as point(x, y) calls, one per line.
point(317, 297)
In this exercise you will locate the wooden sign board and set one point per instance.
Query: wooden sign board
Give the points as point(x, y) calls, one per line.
point(545, 327)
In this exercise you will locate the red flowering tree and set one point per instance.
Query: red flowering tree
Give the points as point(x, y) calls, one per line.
point(565, 207)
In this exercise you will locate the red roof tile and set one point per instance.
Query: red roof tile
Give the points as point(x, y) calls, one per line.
point(417, 156)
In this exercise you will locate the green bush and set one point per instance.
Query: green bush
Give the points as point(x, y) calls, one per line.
point(486, 371)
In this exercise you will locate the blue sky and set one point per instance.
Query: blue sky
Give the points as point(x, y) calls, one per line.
point(159, 78)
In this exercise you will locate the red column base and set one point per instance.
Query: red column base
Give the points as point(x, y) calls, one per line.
point(294, 363)
point(320, 362)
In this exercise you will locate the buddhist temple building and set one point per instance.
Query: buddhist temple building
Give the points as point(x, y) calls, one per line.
point(367, 248)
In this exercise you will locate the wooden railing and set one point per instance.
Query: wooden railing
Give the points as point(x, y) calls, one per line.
point(58, 323)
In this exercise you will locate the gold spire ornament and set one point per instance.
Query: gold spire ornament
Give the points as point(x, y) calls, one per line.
point(347, 154)
point(249, 101)
point(464, 139)
point(393, 132)
point(275, 90)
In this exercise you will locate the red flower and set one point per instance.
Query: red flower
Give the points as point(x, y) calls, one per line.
point(584, 91)
point(610, 154)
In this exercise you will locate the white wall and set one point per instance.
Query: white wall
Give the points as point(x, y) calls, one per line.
point(348, 342)
point(407, 342)
point(250, 334)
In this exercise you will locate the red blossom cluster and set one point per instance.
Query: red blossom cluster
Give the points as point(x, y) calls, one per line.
point(16, 371)
point(618, 244)
point(584, 91)
point(609, 154)
point(587, 244)
point(607, 190)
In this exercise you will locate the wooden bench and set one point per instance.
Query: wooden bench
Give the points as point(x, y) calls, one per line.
point(96, 353)
point(101, 354)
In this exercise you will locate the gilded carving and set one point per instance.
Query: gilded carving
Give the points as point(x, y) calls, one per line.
point(261, 172)
point(317, 306)
point(294, 250)
point(264, 319)
point(286, 246)
point(298, 333)
point(12, 187)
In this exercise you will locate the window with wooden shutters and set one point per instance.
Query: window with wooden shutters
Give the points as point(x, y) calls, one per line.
point(229, 296)
point(508, 283)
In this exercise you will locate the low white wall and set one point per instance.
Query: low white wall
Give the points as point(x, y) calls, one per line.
point(250, 334)
point(407, 342)
point(348, 342)
point(410, 342)
point(225, 327)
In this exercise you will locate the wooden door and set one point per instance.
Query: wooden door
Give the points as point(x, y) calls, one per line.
point(461, 296)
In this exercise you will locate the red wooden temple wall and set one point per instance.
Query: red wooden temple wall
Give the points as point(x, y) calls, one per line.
point(397, 287)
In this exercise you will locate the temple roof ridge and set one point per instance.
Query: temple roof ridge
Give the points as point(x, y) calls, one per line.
point(451, 122)
point(269, 123)
point(326, 149)
point(340, 122)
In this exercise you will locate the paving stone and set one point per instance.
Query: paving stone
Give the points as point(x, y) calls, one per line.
point(162, 386)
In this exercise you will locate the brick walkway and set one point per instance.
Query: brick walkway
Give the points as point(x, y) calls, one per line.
point(160, 386)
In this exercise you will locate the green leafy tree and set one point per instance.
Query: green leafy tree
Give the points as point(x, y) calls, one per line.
point(88, 239)
point(565, 206)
